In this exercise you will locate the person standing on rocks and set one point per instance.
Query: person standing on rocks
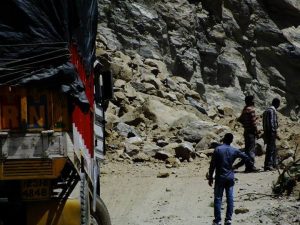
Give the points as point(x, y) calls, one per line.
point(270, 126)
point(221, 163)
point(248, 119)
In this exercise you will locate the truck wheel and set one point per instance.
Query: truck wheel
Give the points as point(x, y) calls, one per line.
point(84, 200)
point(101, 215)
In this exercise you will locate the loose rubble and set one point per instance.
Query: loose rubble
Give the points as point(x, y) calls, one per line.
point(181, 70)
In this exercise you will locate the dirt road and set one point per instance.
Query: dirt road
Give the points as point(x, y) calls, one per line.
point(136, 196)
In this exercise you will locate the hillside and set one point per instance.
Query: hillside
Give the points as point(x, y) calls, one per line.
point(181, 71)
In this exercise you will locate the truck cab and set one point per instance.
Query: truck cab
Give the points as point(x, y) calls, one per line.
point(47, 168)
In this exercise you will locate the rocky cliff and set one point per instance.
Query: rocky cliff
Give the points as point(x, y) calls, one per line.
point(221, 47)
point(182, 68)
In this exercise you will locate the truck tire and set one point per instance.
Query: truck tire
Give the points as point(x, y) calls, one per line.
point(101, 215)
point(84, 200)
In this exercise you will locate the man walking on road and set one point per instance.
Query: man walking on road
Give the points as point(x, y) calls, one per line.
point(270, 125)
point(221, 162)
point(248, 119)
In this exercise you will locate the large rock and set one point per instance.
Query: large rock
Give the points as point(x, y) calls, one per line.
point(133, 117)
point(126, 130)
point(197, 130)
point(185, 151)
point(150, 149)
point(230, 96)
point(163, 114)
point(141, 157)
point(162, 155)
point(206, 142)
point(260, 148)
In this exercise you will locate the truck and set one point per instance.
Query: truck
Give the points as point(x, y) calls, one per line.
point(52, 98)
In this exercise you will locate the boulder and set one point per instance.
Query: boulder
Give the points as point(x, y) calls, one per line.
point(161, 143)
point(135, 140)
point(162, 114)
point(196, 130)
point(208, 152)
point(197, 105)
point(125, 130)
point(162, 155)
point(141, 157)
point(185, 151)
point(163, 175)
point(286, 153)
point(150, 148)
point(133, 118)
point(173, 161)
point(260, 147)
point(151, 79)
point(287, 162)
point(205, 142)
point(241, 210)
point(131, 149)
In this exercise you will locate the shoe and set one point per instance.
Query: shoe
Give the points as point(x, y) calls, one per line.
point(227, 222)
point(252, 170)
point(268, 168)
point(216, 223)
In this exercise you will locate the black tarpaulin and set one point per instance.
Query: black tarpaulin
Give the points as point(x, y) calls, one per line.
point(35, 36)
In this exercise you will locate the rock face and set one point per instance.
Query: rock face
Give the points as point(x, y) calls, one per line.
point(182, 68)
point(252, 46)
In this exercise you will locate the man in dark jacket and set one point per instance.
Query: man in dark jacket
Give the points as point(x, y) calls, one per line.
point(248, 119)
point(270, 125)
point(221, 163)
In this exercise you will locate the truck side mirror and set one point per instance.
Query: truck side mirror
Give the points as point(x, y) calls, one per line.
point(107, 86)
point(103, 83)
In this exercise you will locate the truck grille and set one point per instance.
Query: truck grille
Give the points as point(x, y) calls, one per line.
point(27, 168)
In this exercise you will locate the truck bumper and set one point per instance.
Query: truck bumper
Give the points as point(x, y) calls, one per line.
point(54, 213)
